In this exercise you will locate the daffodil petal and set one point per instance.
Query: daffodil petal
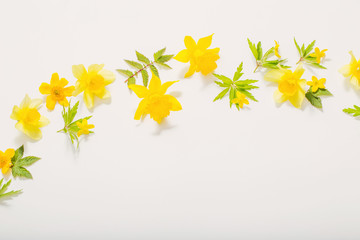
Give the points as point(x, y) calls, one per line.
point(279, 97)
point(25, 102)
point(95, 68)
point(35, 103)
point(345, 70)
point(14, 114)
point(274, 75)
point(50, 102)
point(69, 91)
point(355, 82)
point(139, 90)
point(189, 42)
point(183, 56)
point(78, 71)
point(205, 42)
point(191, 70)
point(9, 153)
point(45, 88)
point(54, 79)
point(140, 110)
point(164, 87)
point(44, 121)
point(155, 83)
point(63, 82)
point(297, 99)
point(89, 99)
point(108, 76)
point(176, 106)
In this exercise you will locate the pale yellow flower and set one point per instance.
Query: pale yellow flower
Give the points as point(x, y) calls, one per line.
point(29, 120)
point(352, 71)
point(290, 85)
point(155, 102)
point(92, 82)
point(201, 58)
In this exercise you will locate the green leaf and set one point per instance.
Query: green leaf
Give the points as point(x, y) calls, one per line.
point(232, 95)
point(72, 113)
point(125, 72)
point(21, 172)
point(238, 74)
point(322, 92)
point(223, 78)
point(131, 81)
point(297, 46)
point(245, 82)
point(221, 84)
point(247, 94)
point(259, 50)
point(134, 64)
point(27, 161)
point(164, 58)
point(221, 94)
point(145, 77)
point(353, 111)
point(142, 58)
point(253, 49)
point(18, 154)
point(154, 70)
point(164, 65)
point(268, 54)
point(314, 100)
point(317, 65)
point(309, 48)
point(4, 188)
point(159, 54)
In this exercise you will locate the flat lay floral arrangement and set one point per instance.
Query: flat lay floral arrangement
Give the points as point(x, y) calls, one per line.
point(143, 77)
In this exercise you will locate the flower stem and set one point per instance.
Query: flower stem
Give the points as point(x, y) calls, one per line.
point(137, 72)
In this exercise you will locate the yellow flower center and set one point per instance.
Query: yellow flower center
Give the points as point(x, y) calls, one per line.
point(29, 116)
point(96, 83)
point(158, 106)
point(355, 69)
point(58, 93)
point(289, 84)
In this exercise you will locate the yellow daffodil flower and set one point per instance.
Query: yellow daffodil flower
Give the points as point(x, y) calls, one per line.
point(277, 49)
point(29, 120)
point(316, 83)
point(240, 99)
point(155, 102)
point(92, 82)
point(201, 58)
point(56, 91)
point(84, 127)
point(318, 54)
point(352, 71)
point(5, 160)
point(290, 85)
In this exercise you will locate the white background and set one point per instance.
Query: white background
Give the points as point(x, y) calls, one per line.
point(209, 172)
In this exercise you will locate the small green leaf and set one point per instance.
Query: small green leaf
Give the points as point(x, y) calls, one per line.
point(134, 64)
point(145, 77)
point(125, 72)
point(72, 113)
point(297, 47)
point(245, 82)
point(314, 100)
point(223, 78)
point(232, 95)
point(21, 172)
point(253, 49)
point(154, 70)
point(164, 65)
point(317, 65)
point(309, 48)
point(27, 161)
point(322, 92)
point(18, 154)
point(247, 94)
point(221, 94)
point(3, 189)
point(268, 54)
point(259, 50)
point(353, 111)
point(238, 74)
point(142, 58)
point(131, 81)
point(159, 54)
point(164, 58)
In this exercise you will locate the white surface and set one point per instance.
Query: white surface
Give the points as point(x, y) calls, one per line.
point(211, 172)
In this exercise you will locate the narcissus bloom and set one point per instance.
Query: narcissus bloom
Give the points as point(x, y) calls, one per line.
point(352, 71)
point(277, 49)
point(84, 127)
point(155, 102)
point(290, 85)
point(316, 83)
point(240, 99)
point(56, 91)
point(318, 54)
point(29, 120)
point(201, 58)
point(92, 82)
point(5, 160)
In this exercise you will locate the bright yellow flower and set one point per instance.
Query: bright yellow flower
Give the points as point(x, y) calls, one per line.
point(5, 160)
point(155, 102)
point(318, 54)
point(352, 71)
point(56, 91)
point(201, 58)
point(29, 119)
point(277, 49)
point(92, 82)
point(84, 127)
point(316, 83)
point(240, 99)
point(290, 85)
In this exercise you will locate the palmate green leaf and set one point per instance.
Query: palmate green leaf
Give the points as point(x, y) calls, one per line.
point(314, 100)
point(253, 49)
point(18, 154)
point(21, 172)
point(223, 78)
point(221, 94)
point(27, 161)
point(4, 188)
point(145, 77)
point(134, 64)
point(238, 73)
point(355, 112)
point(142, 58)
point(159, 53)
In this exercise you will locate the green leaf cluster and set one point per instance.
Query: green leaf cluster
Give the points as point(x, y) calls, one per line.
point(305, 52)
point(315, 97)
point(142, 64)
point(355, 112)
point(71, 128)
point(3, 189)
point(19, 163)
point(235, 84)
point(262, 59)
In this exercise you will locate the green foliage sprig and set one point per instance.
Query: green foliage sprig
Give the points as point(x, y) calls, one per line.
point(19, 163)
point(262, 59)
point(304, 53)
point(355, 112)
point(3, 189)
point(142, 65)
point(314, 97)
point(71, 128)
point(233, 85)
